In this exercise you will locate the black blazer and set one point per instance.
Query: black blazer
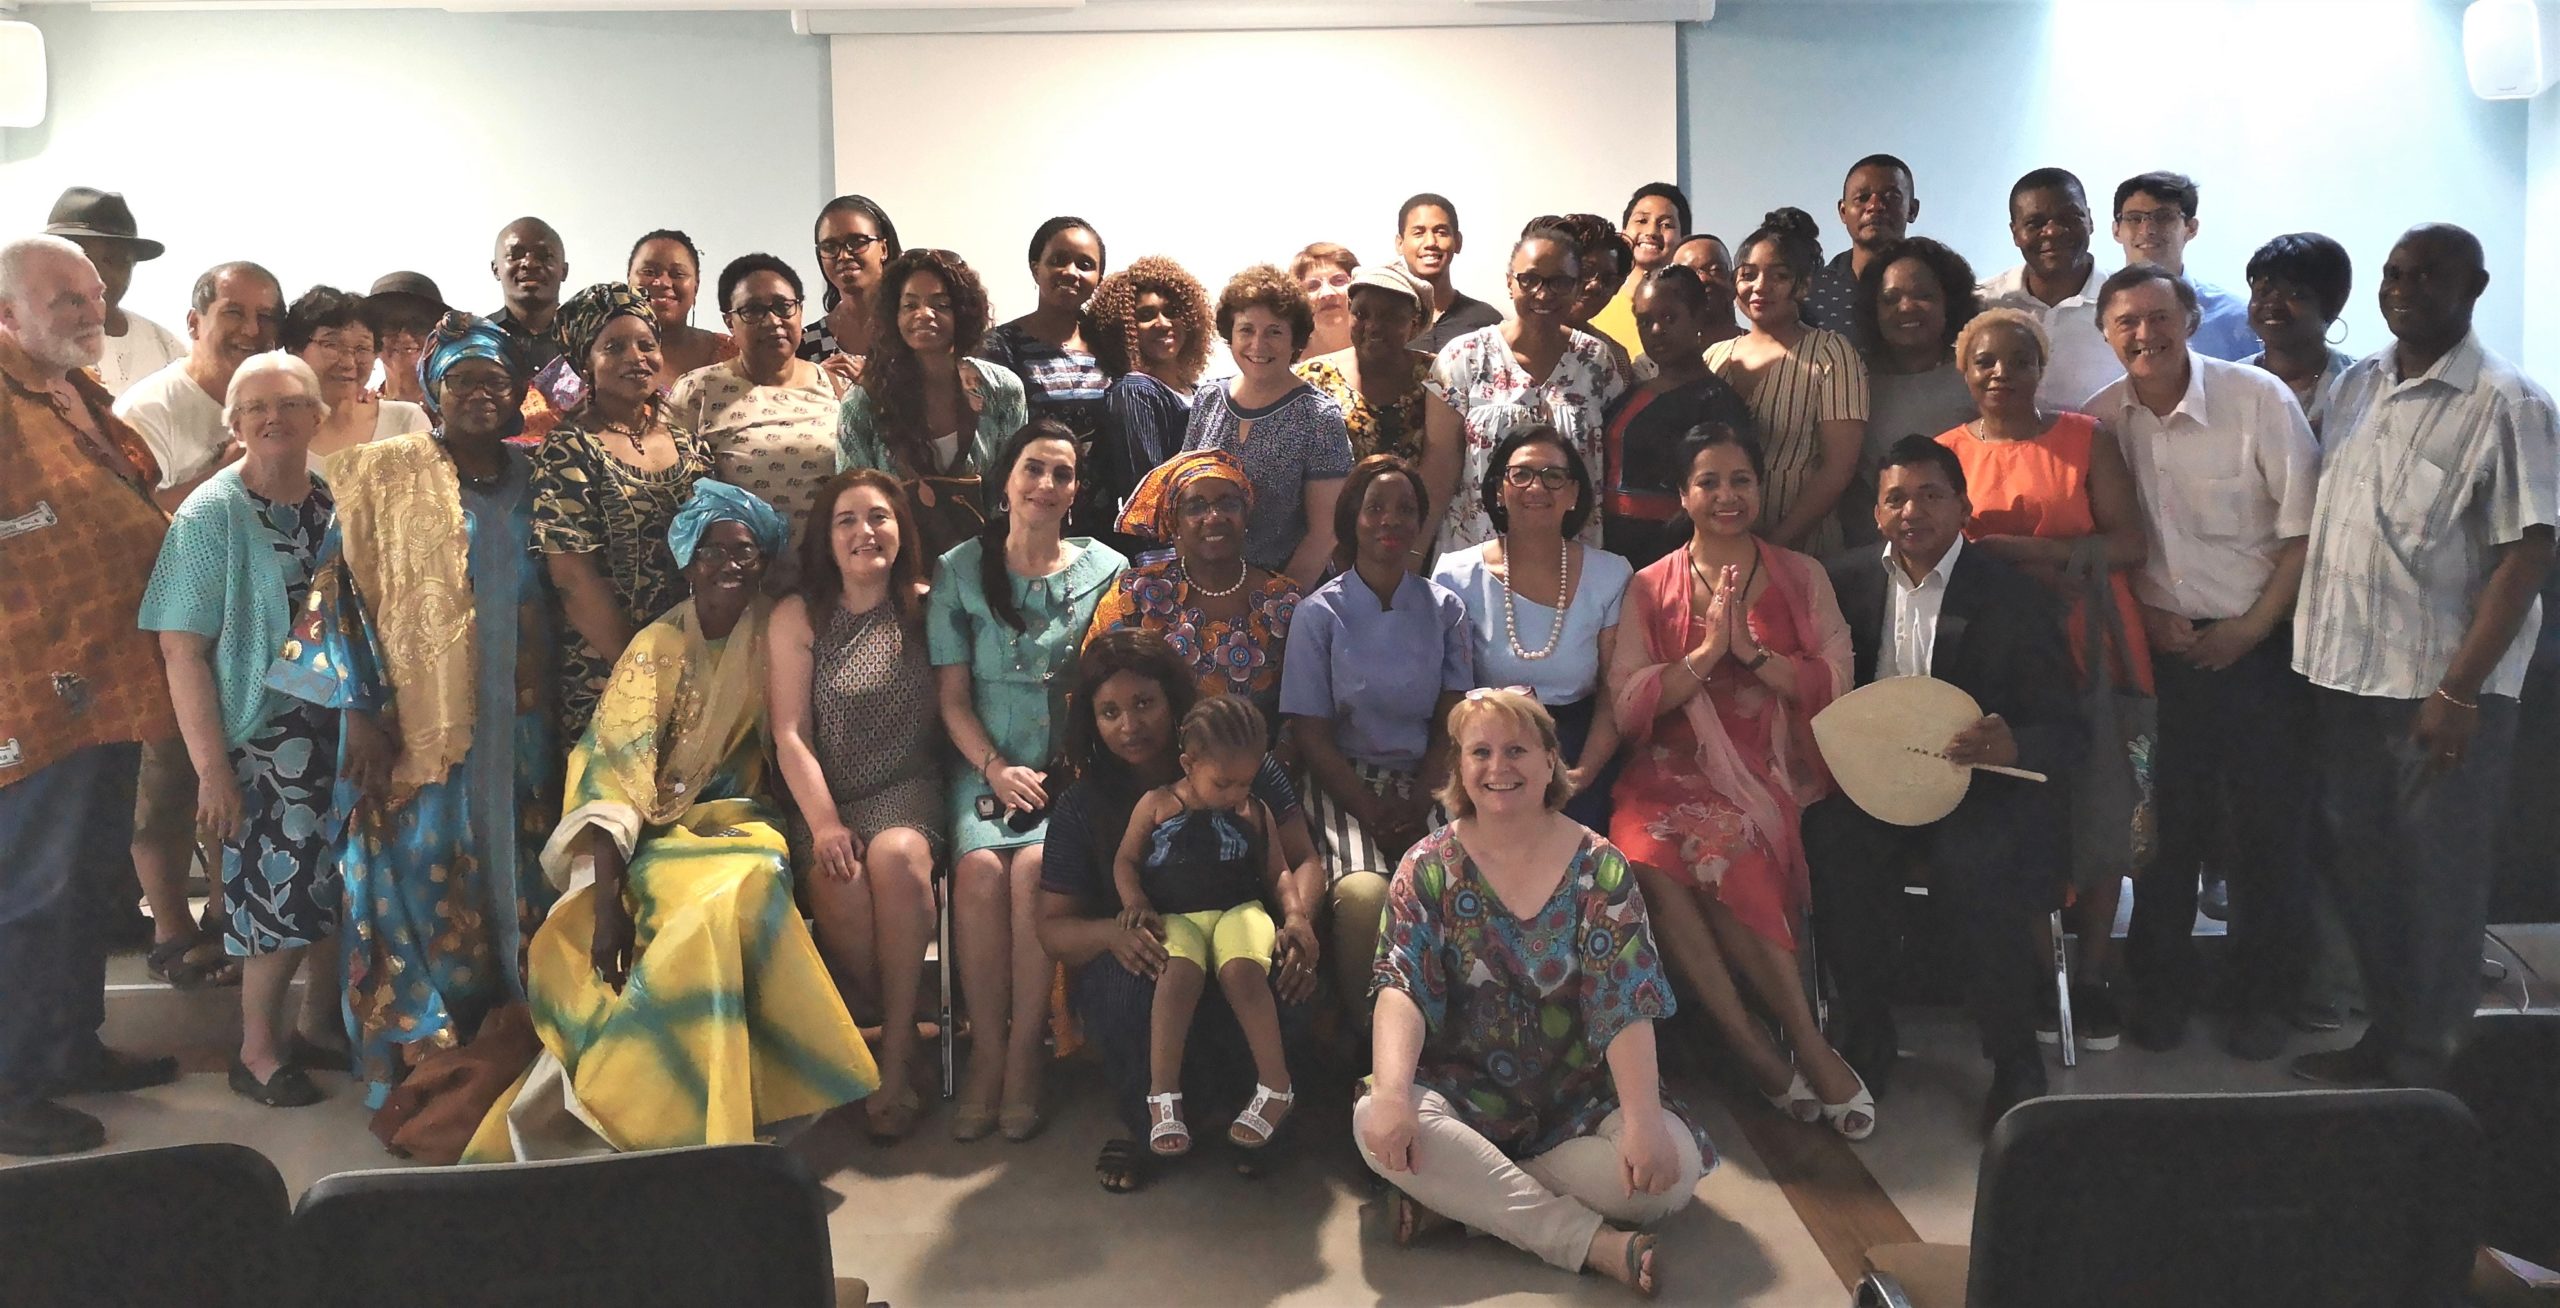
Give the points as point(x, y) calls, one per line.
point(2000, 638)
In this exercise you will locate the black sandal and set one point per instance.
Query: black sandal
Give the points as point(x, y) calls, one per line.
point(169, 964)
point(1122, 1167)
point(288, 1088)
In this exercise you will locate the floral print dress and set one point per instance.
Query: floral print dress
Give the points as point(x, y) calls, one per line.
point(1518, 1012)
point(1477, 376)
point(1228, 656)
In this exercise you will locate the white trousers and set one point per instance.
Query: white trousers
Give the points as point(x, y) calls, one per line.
point(1550, 1205)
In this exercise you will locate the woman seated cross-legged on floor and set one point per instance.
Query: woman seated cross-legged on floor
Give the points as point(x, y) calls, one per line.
point(1732, 644)
point(679, 998)
point(1516, 1086)
point(1132, 690)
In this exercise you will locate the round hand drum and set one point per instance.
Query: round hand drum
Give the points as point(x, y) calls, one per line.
point(1886, 744)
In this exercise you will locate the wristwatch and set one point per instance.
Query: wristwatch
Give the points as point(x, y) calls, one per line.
point(1754, 664)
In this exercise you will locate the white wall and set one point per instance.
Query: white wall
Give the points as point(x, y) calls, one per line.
point(2542, 256)
point(1203, 150)
point(2350, 117)
point(336, 146)
point(409, 137)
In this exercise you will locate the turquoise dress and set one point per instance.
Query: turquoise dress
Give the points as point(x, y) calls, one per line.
point(442, 894)
point(1018, 679)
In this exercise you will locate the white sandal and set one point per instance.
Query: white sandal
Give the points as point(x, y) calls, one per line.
point(1861, 1104)
point(1251, 1119)
point(1797, 1101)
point(1167, 1111)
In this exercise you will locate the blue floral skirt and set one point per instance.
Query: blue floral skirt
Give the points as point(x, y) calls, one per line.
point(280, 885)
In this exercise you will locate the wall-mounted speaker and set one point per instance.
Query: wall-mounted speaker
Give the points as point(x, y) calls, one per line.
point(2511, 48)
point(21, 75)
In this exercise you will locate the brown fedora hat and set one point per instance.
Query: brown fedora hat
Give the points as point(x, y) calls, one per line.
point(85, 212)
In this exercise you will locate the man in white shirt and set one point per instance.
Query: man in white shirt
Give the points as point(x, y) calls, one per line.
point(2431, 538)
point(101, 224)
point(237, 310)
point(1923, 604)
point(2155, 217)
point(2224, 467)
point(2058, 284)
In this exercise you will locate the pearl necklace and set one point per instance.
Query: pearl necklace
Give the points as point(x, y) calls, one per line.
point(1510, 611)
point(1243, 570)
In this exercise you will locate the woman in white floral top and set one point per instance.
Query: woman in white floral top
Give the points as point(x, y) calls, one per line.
point(1533, 368)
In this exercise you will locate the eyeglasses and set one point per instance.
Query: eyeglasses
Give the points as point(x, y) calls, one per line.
point(1336, 281)
point(1488, 692)
point(497, 385)
point(1522, 477)
point(2151, 218)
point(719, 553)
point(1539, 283)
point(1201, 506)
point(766, 310)
point(845, 247)
point(257, 409)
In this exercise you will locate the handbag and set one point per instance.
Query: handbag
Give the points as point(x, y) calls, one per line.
point(2111, 822)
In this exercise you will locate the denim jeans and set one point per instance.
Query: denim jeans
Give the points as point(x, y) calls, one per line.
point(63, 834)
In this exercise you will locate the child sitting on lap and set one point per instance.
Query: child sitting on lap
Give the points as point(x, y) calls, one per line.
point(1199, 859)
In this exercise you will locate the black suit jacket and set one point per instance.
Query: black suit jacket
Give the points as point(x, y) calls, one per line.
point(2000, 638)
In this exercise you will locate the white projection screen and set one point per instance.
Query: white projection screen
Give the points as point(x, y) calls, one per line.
point(1223, 149)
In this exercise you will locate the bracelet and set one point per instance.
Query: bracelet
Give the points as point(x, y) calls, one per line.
point(992, 755)
point(2472, 706)
point(1686, 666)
point(1754, 664)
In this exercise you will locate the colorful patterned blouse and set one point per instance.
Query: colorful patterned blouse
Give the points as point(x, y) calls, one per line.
point(1477, 376)
point(1395, 429)
point(1518, 1014)
point(1227, 656)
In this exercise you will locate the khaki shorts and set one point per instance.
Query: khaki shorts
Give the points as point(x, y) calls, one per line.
point(164, 794)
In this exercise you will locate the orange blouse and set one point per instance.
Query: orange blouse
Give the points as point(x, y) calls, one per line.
point(2040, 488)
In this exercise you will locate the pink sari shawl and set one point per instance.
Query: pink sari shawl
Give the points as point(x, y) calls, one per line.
point(1770, 792)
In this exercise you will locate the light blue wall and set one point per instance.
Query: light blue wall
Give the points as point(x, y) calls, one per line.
point(2350, 117)
point(334, 146)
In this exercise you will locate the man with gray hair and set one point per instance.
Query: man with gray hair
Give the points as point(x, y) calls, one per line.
point(80, 684)
point(237, 310)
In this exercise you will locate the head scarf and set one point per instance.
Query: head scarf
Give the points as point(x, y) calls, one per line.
point(459, 336)
point(718, 501)
point(1150, 510)
point(585, 315)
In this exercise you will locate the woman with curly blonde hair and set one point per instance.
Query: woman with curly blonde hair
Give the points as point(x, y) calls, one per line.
point(1290, 438)
point(1148, 325)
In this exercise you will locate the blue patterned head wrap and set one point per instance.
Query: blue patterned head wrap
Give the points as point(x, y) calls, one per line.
point(718, 501)
point(459, 336)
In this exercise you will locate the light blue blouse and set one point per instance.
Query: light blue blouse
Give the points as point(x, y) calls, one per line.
point(225, 574)
point(1372, 668)
point(1573, 671)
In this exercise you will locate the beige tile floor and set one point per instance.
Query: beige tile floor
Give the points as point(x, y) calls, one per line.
point(932, 1222)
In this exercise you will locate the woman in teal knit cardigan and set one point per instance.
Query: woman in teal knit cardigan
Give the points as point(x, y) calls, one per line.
point(235, 565)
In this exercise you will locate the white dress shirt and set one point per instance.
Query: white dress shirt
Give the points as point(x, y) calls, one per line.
point(2224, 479)
point(2082, 361)
point(2423, 480)
point(1911, 609)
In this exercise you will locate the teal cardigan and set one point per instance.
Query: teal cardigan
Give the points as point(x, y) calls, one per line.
point(220, 576)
